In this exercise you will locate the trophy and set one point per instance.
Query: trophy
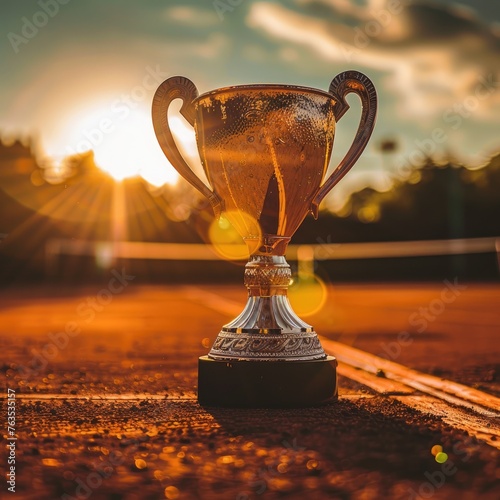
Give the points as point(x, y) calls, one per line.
point(265, 150)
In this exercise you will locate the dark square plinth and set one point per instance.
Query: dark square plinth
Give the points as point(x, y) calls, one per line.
point(266, 384)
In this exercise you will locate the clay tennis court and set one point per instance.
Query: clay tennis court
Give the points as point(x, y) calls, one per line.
point(105, 384)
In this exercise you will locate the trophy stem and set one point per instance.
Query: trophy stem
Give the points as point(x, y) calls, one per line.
point(268, 328)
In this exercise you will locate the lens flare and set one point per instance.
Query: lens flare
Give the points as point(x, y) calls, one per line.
point(308, 294)
point(171, 492)
point(140, 463)
point(229, 233)
point(437, 448)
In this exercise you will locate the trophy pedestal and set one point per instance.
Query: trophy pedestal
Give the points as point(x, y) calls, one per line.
point(266, 384)
point(267, 357)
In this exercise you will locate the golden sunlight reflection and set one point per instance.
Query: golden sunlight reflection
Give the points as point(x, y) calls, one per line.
point(307, 291)
point(308, 294)
point(124, 144)
point(104, 255)
point(437, 448)
point(441, 457)
point(227, 240)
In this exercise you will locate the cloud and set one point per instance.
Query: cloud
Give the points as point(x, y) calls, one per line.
point(346, 7)
point(191, 16)
point(284, 24)
point(215, 45)
point(435, 56)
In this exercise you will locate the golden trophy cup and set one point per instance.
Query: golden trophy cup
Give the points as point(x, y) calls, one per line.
point(265, 150)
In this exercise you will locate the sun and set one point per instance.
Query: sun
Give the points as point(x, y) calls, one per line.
point(124, 142)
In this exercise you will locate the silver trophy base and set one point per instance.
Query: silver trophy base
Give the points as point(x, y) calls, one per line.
point(266, 384)
point(267, 357)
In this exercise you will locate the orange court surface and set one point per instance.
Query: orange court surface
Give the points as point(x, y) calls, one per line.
point(105, 386)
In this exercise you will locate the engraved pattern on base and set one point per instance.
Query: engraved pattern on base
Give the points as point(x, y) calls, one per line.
point(286, 346)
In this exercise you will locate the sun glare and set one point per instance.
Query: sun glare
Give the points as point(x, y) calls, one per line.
point(124, 143)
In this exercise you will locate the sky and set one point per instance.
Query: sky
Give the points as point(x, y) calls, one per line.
point(81, 74)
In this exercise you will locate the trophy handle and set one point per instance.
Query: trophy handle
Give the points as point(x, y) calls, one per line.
point(343, 84)
point(182, 88)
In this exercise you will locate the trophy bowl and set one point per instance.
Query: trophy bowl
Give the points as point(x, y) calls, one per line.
point(265, 150)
